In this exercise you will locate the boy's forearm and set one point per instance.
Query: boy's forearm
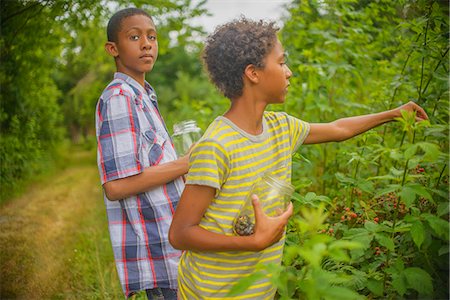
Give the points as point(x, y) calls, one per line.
point(196, 238)
point(353, 126)
point(151, 177)
point(345, 128)
point(186, 234)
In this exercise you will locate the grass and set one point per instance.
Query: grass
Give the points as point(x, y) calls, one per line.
point(54, 239)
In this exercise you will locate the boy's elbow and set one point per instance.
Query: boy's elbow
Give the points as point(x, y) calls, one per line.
point(111, 192)
point(174, 239)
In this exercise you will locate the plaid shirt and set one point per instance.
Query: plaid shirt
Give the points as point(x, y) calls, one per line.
point(131, 136)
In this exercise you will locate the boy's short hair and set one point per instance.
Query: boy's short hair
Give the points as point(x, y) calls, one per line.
point(115, 22)
point(232, 47)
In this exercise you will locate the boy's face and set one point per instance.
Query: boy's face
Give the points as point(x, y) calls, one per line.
point(275, 75)
point(136, 48)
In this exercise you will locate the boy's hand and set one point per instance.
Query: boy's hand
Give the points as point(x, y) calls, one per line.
point(421, 115)
point(185, 158)
point(268, 230)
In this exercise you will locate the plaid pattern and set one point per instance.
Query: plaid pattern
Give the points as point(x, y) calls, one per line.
point(131, 136)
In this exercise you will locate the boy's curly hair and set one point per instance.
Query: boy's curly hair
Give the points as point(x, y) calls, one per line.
point(232, 47)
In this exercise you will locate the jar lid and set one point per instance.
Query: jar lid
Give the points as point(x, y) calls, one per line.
point(278, 183)
point(185, 126)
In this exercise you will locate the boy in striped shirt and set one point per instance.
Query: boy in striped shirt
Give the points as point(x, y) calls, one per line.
point(246, 61)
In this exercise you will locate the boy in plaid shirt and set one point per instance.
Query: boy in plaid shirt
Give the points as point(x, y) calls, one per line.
point(139, 169)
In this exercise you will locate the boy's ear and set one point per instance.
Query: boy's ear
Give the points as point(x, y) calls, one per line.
point(251, 73)
point(111, 48)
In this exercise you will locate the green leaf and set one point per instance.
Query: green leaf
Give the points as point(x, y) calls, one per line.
point(290, 254)
point(419, 280)
point(340, 293)
point(418, 233)
point(439, 226)
point(243, 284)
point(303, 158)
point(323, 198)
point(310, 196)
point(410, 151)
point(390, 189)
point(440, 193)
point(399, 284)
point(400, 227)
point(376, 287)
point(355, 232)
point(384, 177)
point(296, 197)
point(339, 255)
point(443, 250)
point(284, 279)
point(365, 185)
point(442, 209)
point(432, 151)
point(359, 235)
point(420, 190)
point(408, 196)
point(385, 241)
point(399, 265)
point(371, 226)
point(337, 249)
point(344, 179)
point(343, 244)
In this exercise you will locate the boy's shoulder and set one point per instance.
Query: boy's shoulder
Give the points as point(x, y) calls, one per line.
point(118, 87)
point(275, 115)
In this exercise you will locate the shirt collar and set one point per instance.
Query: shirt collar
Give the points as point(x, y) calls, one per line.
point(148, 88)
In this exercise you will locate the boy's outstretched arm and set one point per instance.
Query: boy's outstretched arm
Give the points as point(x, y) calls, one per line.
point(151, 177)
point(345, 128)
point(186, 234)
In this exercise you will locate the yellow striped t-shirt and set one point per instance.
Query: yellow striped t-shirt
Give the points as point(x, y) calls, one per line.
point(231, 160)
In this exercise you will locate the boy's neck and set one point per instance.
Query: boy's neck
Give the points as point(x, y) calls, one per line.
point(247, 115)
point(138, 77)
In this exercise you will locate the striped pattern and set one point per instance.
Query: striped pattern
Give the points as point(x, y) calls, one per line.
point(132, 136)
point(231, 160)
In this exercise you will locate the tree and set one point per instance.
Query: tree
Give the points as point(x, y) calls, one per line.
point(53, 69)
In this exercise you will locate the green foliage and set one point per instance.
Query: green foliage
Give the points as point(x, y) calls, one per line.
point(371, 213)
point(389, 187)
point(31, 119)
point(49, 90)
point(192, 98)
point(315, 263)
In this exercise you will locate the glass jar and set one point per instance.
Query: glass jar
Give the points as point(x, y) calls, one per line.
point(274, 196)
point(184, 135)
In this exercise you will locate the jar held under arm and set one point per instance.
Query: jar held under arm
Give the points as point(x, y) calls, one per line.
point(184, 135)
point(274, 195)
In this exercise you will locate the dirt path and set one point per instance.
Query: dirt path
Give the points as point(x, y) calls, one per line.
point(40, 232)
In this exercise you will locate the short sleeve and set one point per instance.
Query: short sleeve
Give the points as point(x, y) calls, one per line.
point(208, 164)
point(298, 131)
point(118, 137)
